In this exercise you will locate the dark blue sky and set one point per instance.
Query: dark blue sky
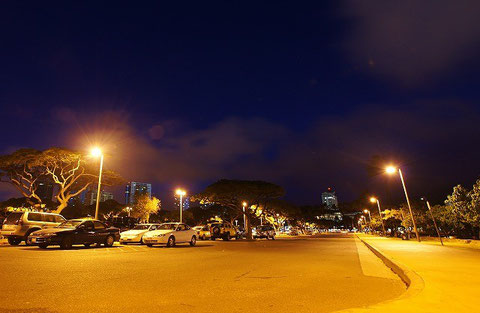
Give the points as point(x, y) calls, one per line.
point(301, 94)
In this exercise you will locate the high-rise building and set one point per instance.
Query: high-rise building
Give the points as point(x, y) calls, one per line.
point(136, 189)
point(329, 198)
point(91, 197)
point(45, 190)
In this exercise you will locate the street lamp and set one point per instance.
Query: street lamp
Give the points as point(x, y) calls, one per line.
point(96, 152)
point(433, 218)
point(244, 205)
point(392, 170)
point(181, 193)
point(370, 216)
point(373, 200)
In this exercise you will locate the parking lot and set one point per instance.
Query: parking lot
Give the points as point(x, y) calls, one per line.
point(286, 275)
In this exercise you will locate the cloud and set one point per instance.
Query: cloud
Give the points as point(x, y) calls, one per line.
point(412, 41)
point(426, 138)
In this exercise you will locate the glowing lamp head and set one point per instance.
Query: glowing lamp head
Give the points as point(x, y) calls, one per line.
point(390, 170)
point(365, 211)
point(96, 152)
point(244, 203)
point(180, 192)
point(373, 199)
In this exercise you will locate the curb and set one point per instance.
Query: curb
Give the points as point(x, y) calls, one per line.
point(412, 280)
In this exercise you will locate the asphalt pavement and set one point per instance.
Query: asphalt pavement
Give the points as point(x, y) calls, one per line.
point(323, 274)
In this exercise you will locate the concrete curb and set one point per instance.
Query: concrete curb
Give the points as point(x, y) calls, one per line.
point(412, 280)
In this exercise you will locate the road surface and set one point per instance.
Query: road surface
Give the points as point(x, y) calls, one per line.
point(323, 274)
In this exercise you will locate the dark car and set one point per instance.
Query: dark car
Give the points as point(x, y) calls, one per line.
point(264, 231)
point(75, 232)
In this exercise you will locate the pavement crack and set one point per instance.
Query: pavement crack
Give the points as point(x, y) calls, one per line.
point(266, 277)
point(240, 276)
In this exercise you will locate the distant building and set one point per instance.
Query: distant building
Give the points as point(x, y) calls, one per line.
point(329, 199)
point(135, 189)
point(91, 197)
point(45, 190)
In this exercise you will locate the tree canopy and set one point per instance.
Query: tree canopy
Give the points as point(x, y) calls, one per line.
point(233, 193)
point(72, 172)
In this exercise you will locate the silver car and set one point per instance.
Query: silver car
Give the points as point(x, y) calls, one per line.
point(19, 225)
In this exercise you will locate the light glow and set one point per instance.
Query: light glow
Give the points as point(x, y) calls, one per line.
point(180, 192)
point(96, 152)
point(391, 170)
point(373, 199)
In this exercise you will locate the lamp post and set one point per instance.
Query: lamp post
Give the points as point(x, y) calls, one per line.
point(373, 200)
point(244, 205)
point(96, 152)
point(370, 216)
point(392, 170)
point(181, 193)
point(433, 218)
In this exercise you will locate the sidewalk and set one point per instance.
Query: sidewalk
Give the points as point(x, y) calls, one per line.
point(445, 279)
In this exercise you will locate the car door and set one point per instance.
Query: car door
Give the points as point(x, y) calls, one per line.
point(100, 231)
point(180, 233)
point(189, 233)
point(85, 233)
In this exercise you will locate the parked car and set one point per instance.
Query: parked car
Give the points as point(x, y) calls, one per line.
point(135, 235)
point(75, 232)
point(19, 225)
point(203, 232)
point(170, 234)
point(264, 231)
point(224, 230)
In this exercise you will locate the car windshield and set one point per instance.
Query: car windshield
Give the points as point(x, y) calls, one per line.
point(141, 227)
point(70, 224)
point(167, 227)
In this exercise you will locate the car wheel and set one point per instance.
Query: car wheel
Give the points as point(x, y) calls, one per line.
point(109, 241)
point(66, 243)
point(149, 245)
point(14, 241)
point(193, 241)
point(273, 237)
point(87, 245)
point(203, 237)
point(212, 238)
point(26, 236)
point(171, 242)
point(43, 246)
point(227, 237)
point(141, 241)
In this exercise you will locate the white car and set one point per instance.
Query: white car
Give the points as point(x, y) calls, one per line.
point(170, 234)
point(136, 234)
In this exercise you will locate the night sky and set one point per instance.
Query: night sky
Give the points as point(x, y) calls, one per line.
point(299, 93)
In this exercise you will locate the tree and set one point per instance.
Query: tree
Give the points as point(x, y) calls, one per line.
point(144, 206)
point(465, 207)
point(232, 193)
point(21, 170)
point(73, 172)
